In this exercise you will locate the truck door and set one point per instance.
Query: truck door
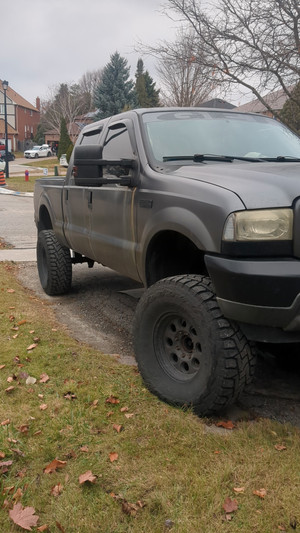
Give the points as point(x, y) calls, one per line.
point(112, 206)
point(77, 207)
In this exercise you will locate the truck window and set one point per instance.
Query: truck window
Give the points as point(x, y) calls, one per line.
point(91, 137)
point(117, 146)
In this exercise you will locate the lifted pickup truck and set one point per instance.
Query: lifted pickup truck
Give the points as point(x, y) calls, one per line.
point(201, 206)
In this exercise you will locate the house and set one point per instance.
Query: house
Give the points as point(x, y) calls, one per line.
point(22, 119)
point(74, 128)
point(217, 103)
point(275, 100)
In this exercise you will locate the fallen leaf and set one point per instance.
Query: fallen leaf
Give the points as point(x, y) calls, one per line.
point(129, 415)
point(112, 399)
point(43, 406)
point(45, 527)
point(84, 449)
point(23, 517)
point(70, 396)
point(54, 465)
point(2, 366)
point(44, 378)
point(31, 346)
point(239, 490)
point(9, 389)
point(21, 322)
point(62, 529)
point(280, 447)
point(225, 424)
point(5, 463)
point(281, 528)
point(129, 508)
point(113, 456)
point(11, 291)
point(17, 495)
point(118, 428)
point(5, 422)
point(57, 490)
point(230, 505)
point(2, 455)
point(30, 380)
point(261, 493)
point(87, 476)
point(10, 379)
point(124, 409)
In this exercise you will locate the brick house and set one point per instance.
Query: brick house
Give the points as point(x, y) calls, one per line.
point(22, 119)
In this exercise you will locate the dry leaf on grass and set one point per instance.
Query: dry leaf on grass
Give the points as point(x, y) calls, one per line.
point(23, 517)
point(280, 447)
point(43, 406)
point(45, 527)
point(57, 490)
point(54, 465)
point(230, 505)
point(261, 493)
point(87, 476)
point(112, 399)
point(113, 456)
point(225, 424)
point(118, 428)
point(9, 389)
point(239, 490)
point(5, 422)
point(44, 378)
point(32, 346)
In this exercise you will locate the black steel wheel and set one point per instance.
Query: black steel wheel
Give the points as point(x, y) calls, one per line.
point(187, 352)
point(54, 264)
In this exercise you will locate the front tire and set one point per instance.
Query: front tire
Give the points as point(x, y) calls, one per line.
point(54, 264)
point(188, 354)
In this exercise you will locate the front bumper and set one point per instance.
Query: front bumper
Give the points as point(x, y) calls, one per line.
point(262, 295)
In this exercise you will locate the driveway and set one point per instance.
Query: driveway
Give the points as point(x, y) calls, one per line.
point(100, 308)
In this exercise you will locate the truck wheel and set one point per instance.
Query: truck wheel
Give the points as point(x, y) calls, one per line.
point(188, 354)
point(54, 264)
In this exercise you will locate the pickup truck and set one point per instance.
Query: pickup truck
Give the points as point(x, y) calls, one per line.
point(202, 206)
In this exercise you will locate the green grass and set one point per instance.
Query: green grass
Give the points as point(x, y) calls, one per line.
point(168, 459)
point(18, 183)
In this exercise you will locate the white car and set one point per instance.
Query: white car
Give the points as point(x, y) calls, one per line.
point(38, 151)
point(2, 165)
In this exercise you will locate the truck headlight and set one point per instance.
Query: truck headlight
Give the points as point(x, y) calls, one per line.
point(259, 225)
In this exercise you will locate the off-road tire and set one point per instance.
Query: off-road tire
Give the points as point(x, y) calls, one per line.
point(54, 264)
point(187, 352)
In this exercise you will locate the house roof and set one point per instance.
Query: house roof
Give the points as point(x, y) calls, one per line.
point(10, 129)
point(275, 99)
point(18, 99)
point(217, 103)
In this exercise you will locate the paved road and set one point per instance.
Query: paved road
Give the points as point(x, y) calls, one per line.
point(100, 310)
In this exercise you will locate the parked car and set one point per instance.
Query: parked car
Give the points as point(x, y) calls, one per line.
point(11, 156)
point(2, 165)
point(38, 151)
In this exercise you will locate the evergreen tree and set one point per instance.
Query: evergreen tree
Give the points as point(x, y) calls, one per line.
point(147, 95)
point(290, 113)
point(115, 90)
point(64, 140)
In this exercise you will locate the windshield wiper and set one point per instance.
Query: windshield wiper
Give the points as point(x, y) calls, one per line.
point(197, 158)
point(282, 158)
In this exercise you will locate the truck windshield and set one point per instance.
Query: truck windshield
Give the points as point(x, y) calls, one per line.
point(184, 133)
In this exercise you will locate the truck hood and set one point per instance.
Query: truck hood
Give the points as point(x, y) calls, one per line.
point(258, 185)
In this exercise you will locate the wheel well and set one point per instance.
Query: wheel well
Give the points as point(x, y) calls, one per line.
point(171, 253)
point(44, 219)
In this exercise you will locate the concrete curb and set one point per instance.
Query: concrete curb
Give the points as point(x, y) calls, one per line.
point(15, 193)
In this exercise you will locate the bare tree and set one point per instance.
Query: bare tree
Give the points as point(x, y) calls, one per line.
point(250, 43)
point(88, 83)
point(183, 80)
point(65, 101)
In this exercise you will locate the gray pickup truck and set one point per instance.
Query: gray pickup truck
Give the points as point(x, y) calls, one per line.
point(201, 206)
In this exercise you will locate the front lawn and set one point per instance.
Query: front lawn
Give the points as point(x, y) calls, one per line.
point(152, 468)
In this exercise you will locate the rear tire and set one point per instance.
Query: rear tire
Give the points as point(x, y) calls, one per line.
point(54, 264)
point(188, 354)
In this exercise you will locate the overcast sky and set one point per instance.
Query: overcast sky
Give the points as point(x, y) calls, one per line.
point(47, 42)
